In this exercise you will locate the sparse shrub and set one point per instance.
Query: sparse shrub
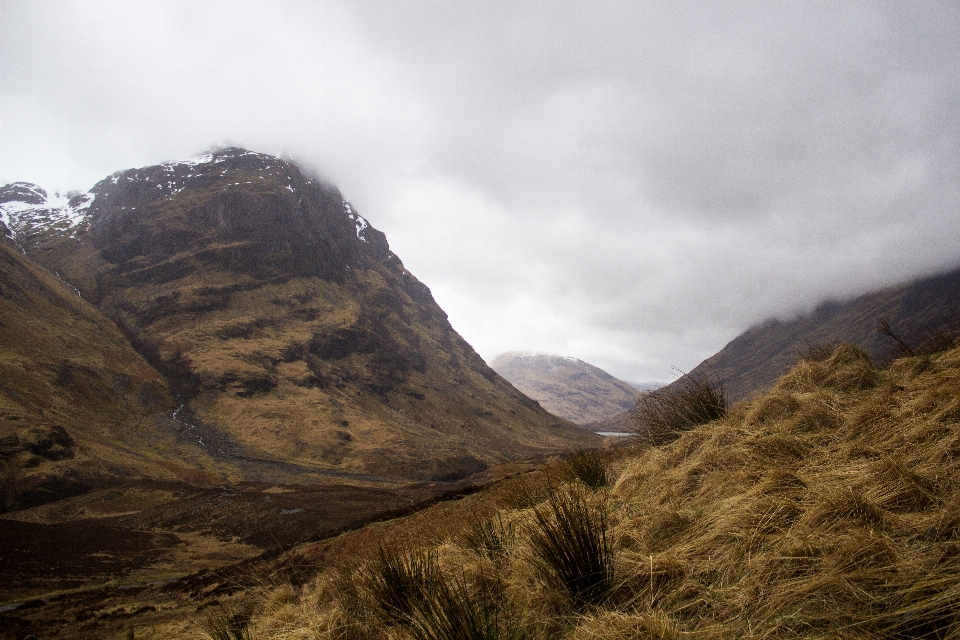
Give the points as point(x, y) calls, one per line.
point(487, 536)
point(588, 467)
point(398, 580)
point(902, 349)
point(222, 623)
point(928, 341)
point(572, 546)
point(662, 415)
point(451, 611)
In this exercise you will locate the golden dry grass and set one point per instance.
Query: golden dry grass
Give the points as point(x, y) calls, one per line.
point(828, 508)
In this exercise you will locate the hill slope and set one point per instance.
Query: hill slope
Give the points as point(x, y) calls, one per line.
point(752, 361)
point(757, 357)
point(73, 392)
point(295, 341)
point(566, 387)
point(825, 508)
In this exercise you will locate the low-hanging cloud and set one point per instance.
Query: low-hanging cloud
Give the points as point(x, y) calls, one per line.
point(631, 183)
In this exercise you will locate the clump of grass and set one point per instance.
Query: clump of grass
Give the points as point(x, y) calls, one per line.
point(522, 493)
point(572, 546)
point(816, 351)
point(222, 623)
point(589, 467)
point(487, 536)
point(451, 611)
point(662, 415)
point(397, 581)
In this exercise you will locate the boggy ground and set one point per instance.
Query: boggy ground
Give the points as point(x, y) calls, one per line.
point(147, 554)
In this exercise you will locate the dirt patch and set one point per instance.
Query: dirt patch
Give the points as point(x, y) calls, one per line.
point(38, 558)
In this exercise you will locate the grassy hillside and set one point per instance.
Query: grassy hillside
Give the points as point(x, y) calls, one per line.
point(825, 508)
point(75, 397)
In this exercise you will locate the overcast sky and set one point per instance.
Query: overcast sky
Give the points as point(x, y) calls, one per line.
point(631, 183)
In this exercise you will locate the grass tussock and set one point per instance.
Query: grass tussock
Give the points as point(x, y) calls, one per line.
point(827, 508)
point(396, 582)
point(488, 536)
point(586, 466)
point(572, 546)
point(662, 415)
point(222, 623)
point(454, 611)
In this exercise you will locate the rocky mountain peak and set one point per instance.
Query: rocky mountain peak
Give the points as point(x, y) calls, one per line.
point(29, 214)
point(290, 336)
point(263, 215)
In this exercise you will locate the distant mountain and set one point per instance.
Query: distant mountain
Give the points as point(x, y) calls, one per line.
point(565, 386)
point(265, 326)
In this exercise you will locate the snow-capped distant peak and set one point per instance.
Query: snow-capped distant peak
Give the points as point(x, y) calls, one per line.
point(546, 356)
point(27, 210)
point(213, 156)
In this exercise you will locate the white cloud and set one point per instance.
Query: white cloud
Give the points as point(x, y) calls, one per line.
point(630, 183)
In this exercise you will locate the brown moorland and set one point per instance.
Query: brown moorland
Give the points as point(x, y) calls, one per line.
point(824, 508)
point(73, 391)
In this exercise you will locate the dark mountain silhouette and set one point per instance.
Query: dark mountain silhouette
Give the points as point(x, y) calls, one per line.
point(753, 361)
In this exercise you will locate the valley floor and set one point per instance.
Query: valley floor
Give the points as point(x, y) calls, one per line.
point(149, 554)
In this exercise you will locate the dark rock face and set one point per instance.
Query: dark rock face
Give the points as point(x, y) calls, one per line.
point(23, 192)
point(238, 211)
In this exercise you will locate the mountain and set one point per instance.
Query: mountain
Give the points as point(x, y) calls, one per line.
point(752, 361)
point(565, 386)
point(72, 390)
point(284, 340)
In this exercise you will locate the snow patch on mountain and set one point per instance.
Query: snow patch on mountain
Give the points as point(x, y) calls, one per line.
point(359, 221)
point(27, 210)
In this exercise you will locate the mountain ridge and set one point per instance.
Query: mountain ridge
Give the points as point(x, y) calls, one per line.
point(753, 360)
